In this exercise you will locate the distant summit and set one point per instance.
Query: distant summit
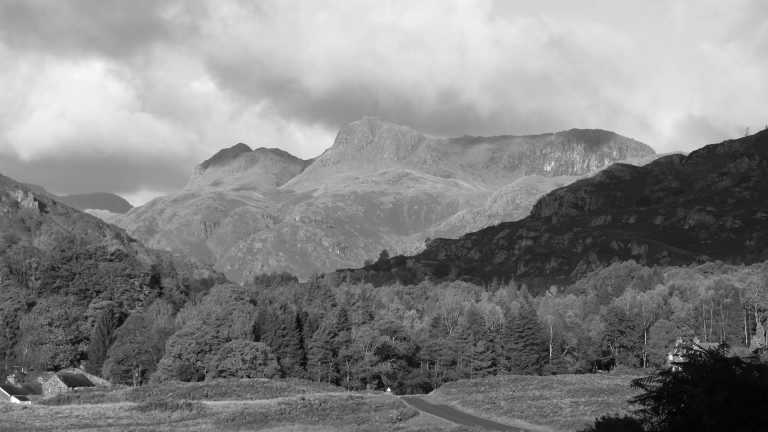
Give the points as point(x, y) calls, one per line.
point(225, 155)
point(100, 201)
point(97, 201)
point(262, 169)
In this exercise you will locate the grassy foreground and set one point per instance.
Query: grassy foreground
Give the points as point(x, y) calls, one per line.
point(560, 402)
point(222, 389)
point(223, 405)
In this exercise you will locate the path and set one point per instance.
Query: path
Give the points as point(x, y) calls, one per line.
point(447, 412)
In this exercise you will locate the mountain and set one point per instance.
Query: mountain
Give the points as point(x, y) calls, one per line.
point(379, 186)
point(676, 210)
point(239, 167)
point(97, 201)
point(42, 240)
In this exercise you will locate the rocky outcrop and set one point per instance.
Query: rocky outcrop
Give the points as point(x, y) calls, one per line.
point(676, 210)
point(380, 186)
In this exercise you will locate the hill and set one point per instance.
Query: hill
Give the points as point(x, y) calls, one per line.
point(97, 201)
point(61, 268)
point(708, 205)
point(380, 186)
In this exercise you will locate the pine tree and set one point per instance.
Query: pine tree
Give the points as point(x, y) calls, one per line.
point(101, 339)
point(525, 344)
point(476, 344)
point(321, 361)
point(342, 346)
point(282, 333)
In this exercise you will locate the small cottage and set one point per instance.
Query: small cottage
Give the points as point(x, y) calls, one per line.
point(68, 380)
point(677, 355)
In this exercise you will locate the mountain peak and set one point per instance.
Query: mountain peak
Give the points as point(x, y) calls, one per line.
point(239, 166)
point(225, 155)
point(371, 145)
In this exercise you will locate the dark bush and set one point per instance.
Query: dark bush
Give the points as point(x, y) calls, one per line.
point(615, 424)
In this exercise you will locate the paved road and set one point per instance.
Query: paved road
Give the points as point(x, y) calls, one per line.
point(451, 414)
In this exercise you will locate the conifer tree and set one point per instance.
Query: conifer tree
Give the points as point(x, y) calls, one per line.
point(525, 344)
point(101, 339)
point(321, 363)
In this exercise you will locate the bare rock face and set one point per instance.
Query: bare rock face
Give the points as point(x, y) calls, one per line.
point(380, 186)
point(676, 210)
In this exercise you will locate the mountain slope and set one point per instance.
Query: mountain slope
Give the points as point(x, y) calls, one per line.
point(380, 186)
point(711, 204)
point(42, 239)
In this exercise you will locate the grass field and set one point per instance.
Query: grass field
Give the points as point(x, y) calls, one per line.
point(225, 405)
point(560, 402)
point(222, 389)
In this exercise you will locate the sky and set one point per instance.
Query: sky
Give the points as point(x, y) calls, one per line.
point(128, 96)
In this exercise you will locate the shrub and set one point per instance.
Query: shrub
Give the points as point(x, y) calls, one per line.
point(615, 424)
point(170, 406)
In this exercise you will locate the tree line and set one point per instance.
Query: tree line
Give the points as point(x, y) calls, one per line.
point(134, 328)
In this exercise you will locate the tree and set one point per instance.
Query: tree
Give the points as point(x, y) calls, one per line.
point(12, 307)
point(53, 335)
point(321, 362)
point(623, 336)
point(661, 339)
point(243, 359)
point(108, 318)
point(281, 331)
point(525, 344)
point(139, 344)
point(383, 256)
point(710, 392)
point(226, 313)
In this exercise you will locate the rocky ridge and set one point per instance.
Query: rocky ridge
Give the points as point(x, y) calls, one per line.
point(708, 205)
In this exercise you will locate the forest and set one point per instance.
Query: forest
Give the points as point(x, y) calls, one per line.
point(77, 306)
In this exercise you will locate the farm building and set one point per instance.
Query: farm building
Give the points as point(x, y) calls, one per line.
point(67, 380)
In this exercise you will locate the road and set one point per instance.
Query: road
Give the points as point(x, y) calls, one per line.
point(451, 414)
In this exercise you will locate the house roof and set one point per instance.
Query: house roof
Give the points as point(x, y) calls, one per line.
point(12, 390)
point(73, 380)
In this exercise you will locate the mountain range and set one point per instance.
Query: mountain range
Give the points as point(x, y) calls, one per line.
point(379, 186)
point(709, 205)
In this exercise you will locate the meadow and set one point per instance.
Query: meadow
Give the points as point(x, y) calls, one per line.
point(560, 402)
point(222, 405)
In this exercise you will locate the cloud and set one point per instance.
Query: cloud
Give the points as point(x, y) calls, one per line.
point(157, 86)
point(77, 27)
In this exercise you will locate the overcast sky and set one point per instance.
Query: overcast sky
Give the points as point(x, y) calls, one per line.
point(127, 96)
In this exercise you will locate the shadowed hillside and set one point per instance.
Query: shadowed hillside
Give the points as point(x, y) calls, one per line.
point(678, 209)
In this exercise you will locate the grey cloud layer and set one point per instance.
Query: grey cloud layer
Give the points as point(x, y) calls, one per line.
point(181, 79)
